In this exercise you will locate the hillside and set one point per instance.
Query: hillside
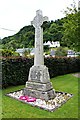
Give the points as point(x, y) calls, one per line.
point(25, 37)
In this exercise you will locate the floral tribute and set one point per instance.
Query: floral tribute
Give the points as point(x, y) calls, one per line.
point(29, 99)
point(50, 105)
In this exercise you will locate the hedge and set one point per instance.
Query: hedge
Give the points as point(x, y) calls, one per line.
point(15, 71)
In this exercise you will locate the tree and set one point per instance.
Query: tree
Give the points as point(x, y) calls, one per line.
point(71, 26)
point(61, 52)
point(56, 31)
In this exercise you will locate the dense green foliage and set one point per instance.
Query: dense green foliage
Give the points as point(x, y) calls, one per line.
point(14, 109)
point(16, 71)
point(61, 52)
point(25, 37)
point(71, 26)
point(6, 53)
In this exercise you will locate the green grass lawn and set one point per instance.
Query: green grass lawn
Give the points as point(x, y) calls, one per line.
point(66, 83)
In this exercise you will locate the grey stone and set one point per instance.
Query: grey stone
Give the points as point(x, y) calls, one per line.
point(39, 74)
point(37, 23)
point(39, 86)
point(39, 94)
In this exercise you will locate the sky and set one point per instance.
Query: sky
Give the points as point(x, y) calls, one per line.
point(15, 14)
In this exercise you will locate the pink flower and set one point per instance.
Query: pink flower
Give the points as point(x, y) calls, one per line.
point(29, 99)
point(23, 97)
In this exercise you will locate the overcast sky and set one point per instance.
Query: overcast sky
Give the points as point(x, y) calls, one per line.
point(15, 14)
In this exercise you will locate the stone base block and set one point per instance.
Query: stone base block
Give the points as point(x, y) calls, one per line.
point(39, 94)
point(39, 86)
point(39, 74)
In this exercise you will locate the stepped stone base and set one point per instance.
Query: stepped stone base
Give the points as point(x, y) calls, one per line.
point(39, 85)
point(39, 94)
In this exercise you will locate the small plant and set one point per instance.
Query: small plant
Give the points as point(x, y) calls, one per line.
point(61, 52)
point(26, 53)
point(6, 53)
point(46, 48)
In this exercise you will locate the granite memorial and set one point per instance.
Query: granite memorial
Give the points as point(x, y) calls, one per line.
point(38, 84)
point(39, 91)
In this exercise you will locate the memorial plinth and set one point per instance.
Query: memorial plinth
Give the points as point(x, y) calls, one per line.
point(38, 84)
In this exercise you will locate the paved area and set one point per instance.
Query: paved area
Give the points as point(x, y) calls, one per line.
point(77, 75)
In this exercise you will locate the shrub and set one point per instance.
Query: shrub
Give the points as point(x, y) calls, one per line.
point(15, 71)
point(61, 52)
point(6, 53)
point(46, 48)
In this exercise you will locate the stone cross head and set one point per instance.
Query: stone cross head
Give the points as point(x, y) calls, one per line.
point(38, 19)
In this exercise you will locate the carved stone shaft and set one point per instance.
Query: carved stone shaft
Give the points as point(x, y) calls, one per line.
point(37, 23)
